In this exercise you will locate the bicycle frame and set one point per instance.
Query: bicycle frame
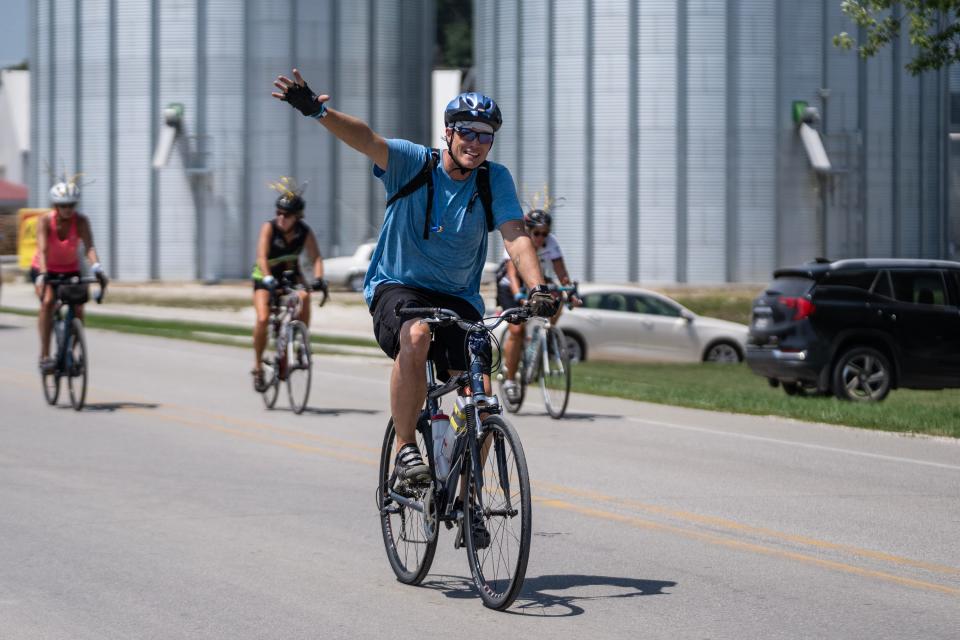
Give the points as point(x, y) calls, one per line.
point(64, 319)
point(446, 490)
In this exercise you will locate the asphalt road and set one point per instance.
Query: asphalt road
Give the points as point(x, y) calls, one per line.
point(176, 506)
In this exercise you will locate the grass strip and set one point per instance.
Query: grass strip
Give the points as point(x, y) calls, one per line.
point(187, 330)
point(714, 387)
point(734, 388)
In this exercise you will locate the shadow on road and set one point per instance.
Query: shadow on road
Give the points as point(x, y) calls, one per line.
point(534, 601)
point(574, 416)
point(10, 327)
point(110, 407)
point(331, 411)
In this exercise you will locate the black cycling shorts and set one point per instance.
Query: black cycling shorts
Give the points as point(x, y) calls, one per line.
point(505, 299)
point(448, 348)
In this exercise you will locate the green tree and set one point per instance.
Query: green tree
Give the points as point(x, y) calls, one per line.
point(931, 25)
point(454, 33)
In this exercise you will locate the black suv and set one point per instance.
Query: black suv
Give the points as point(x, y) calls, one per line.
point(858, 328)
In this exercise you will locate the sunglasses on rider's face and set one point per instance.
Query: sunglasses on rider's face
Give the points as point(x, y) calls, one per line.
point(286, 214)
point(470, 135)
point(539, 234)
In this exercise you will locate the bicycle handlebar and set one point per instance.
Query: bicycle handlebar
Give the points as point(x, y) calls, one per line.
point(439, 315)
point(55, 280)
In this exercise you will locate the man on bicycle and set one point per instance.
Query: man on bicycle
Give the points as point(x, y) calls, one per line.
point(59, 234)
point(511, 292)
point(281, 242)
point(430, 252)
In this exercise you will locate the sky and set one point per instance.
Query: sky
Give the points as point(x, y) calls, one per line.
point(14, 31)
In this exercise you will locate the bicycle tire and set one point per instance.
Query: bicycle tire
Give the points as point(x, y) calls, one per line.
point(555, 381)
point(51, 387)
point(505, 475)
point(299, 367)
point(410, 556)
point(505, 401)
point(270, 393)
point(77, 365)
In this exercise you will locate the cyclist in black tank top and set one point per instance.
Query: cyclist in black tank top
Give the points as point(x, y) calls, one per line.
point(279, 246)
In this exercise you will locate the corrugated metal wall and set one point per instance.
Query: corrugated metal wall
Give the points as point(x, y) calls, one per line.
point(673, 142)
point(199, 216)
point(94, 124)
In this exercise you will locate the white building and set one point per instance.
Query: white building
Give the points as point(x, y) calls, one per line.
point(14, 125)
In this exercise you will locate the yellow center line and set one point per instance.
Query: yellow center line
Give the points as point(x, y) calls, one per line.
point(747, 546)
point(258, 438)
point(567, 506)
point(745, 528)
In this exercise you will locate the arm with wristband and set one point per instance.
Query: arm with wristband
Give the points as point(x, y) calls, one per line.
point(354, 132)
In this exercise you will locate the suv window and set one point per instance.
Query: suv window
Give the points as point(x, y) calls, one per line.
point(789, 286)
point(857, 279)
point(953, 286)
point(919, 287)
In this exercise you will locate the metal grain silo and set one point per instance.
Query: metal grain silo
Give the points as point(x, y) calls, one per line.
point(667, 127)
point(105, 70)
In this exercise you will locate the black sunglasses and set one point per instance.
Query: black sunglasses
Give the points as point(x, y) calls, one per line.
point(470, 135)
point(286, 214)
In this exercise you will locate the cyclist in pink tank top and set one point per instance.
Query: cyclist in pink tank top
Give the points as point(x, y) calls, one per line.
point(59, 234)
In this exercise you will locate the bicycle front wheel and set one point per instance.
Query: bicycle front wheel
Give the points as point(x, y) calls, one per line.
point(272, 390)
point(299, 369)
point(77, 365)
point(555, 375)
point(408, 516)
point(498, 531)
point(51, 387)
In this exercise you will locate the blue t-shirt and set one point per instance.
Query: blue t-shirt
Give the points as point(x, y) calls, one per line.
point(451, 261)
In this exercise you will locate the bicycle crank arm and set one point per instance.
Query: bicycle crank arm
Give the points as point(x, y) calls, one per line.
point(509, 513)
point(416, 505)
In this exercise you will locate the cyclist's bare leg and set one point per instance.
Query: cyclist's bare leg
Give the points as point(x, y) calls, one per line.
point(78, 310)
point(45, 321)
point(512, 348)
point(408, 382)
point(305, 307)
point(261, 303)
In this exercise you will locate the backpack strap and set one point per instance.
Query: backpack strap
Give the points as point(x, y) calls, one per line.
point(423, 177)
point(486, 195)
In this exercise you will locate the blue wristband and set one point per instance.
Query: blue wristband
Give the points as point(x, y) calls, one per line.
point(319, 115)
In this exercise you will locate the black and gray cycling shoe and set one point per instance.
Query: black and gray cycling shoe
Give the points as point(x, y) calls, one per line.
point(410, 466)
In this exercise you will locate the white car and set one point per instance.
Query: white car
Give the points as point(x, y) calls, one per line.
point(349, 271)
point(629, 323)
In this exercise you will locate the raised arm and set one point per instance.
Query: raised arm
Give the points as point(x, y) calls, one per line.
point(353, 131)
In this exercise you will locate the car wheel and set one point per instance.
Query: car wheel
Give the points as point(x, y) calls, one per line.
point(724, 352)
point(356, 282)
point(575, 348)
point(862, 374)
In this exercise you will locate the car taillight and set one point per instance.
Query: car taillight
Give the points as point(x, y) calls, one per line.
point(802, 306)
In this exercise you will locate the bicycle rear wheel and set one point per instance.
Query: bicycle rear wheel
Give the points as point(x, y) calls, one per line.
point(498, 564)
point(555, 376)
point(273, 382)
point(299, 369)
point(409, 537)
point(77, 365)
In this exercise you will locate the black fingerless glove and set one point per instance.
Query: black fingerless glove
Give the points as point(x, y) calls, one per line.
point(303, 99)
point(542, 303)
point(319, 285)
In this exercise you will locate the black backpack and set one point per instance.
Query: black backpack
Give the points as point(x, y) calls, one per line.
point(425, 177)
